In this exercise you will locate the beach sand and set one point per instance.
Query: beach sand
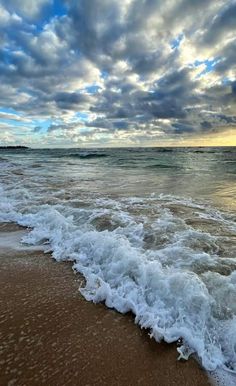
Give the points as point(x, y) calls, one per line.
point(51, 336)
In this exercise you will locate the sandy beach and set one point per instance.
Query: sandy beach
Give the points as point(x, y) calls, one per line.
point(51, 336)
point(118, 163)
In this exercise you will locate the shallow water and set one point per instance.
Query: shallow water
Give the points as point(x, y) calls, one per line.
point(152, 230)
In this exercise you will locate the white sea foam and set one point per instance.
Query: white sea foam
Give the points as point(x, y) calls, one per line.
point(148, 261)
point(222, 377)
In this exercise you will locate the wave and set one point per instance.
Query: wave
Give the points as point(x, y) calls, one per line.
point(165, 150)
point(86, 155)
point(81, 155)
point(163, 166)
point(147, 266)
point(217, 150)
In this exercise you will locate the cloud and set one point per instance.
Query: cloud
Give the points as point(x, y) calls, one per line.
point(227, 62)
point(12, 117)
point(222, 25)
point(69, 101)
point(116, 62)
point(26, 8)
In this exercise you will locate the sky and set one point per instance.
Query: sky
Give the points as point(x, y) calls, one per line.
point(99, 73)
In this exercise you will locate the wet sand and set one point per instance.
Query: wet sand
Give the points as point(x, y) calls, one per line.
point(49, 335)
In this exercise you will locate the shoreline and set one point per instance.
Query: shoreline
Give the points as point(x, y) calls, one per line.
point(51, 335)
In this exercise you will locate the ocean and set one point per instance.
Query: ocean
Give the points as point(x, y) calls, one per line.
point(152, 230)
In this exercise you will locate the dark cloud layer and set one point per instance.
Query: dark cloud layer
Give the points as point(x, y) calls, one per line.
point(120, 66)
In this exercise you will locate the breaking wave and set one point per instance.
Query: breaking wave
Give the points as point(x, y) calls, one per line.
point(175, 278)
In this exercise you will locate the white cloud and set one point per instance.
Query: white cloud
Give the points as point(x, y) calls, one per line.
point(27, 8)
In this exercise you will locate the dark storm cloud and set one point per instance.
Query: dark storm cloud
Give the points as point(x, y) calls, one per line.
point(227, 57)
point(181, 128)
point(206, 125)
point(166, 100)
point(172, 93)
point(223, 22)
point(233, 85)
point(95, 27)
point(113, 60)
point(226, 118)
point(222, 97)
point(69, 101)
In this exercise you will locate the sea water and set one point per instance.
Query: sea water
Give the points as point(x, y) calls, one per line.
point(152, 230)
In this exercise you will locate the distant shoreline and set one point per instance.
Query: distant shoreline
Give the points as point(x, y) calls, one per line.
point(117, 148)
point(13, 147)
